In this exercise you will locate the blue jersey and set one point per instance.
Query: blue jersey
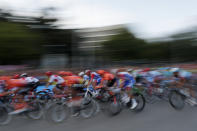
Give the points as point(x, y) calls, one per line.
point(96, 77)
point(127, 78)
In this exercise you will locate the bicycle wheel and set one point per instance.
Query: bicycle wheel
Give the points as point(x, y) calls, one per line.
point(114, 107)
point(176, 100)
point(149, 98)
point(88, 109)
point(5, 118)
point(37, 112)
point(141, 102)
point(57, 113)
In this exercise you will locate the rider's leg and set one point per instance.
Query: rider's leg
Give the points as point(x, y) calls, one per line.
point(129, 90)
point(134, 102)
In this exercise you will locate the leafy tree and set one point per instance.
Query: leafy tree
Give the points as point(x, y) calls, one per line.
point(17, 43)
point(123, 46)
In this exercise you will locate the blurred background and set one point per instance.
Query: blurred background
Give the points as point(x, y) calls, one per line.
point(89, 33)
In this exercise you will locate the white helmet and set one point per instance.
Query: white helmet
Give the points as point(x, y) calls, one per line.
point(130, 70)
point(81, 73)
point(86, 71)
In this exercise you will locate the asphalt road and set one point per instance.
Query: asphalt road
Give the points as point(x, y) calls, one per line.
point(159, 116)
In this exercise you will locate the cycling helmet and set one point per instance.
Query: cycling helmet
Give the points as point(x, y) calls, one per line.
point(130, 70)
point(81, 74)
point(24, 75)
point(87, 71)
point(48, 73)
point(16, 76)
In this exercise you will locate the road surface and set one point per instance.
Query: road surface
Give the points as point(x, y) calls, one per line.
point(155, 117)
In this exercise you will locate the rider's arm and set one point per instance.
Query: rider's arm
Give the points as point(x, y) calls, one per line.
point(121, 85)
point(102, 83)
point(47, 84)
point(50, 81)
point(90, 82)
point(91, 79)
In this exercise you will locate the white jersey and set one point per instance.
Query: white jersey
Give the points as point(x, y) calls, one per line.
point(56, 78)
point(31, 79)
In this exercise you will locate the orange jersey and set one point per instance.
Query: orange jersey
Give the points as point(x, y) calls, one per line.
point(70, 80)
point(12, 83)
point(108, 76)
point(6, 78)
point(65, 73)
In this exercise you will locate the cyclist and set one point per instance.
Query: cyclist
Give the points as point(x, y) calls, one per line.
point(16, 86)
point(94, 77)
point(31, 82)
point(179, 80)
point(85, 77)
point(126, 82)
point(108, 79)
point(56, 80)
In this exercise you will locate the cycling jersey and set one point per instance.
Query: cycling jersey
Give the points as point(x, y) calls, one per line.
point(65, 73)
point(16, 83)
point(6, 78)
point(151, 76)
point(127, 79)
point(95, 77)
point(108, 79)
point(30, 79)
point(70, 80)
point(108, 76)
